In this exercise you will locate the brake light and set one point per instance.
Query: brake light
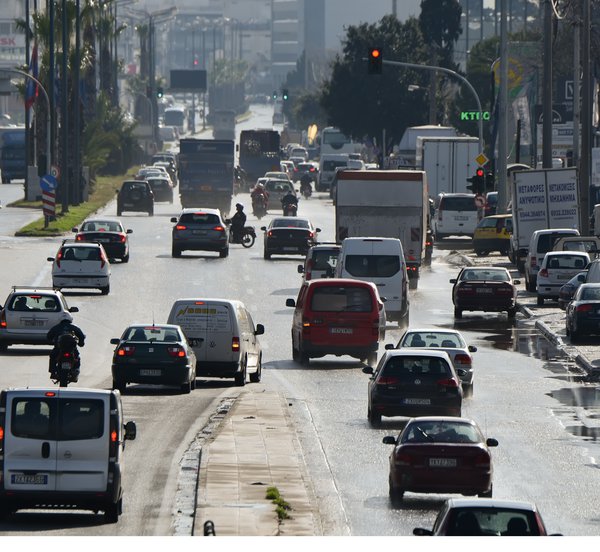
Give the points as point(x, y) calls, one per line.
point(270, 233)
point(219, 229)
point(448, 382)
point(235, 344)
point(181, 227)
point(103, 258)
point(125, 350)
point(461, 358)
point(584, 308)
point(504, 290)
point(79, 237)
point(1, 436)
point(465, 290)
point(387, 380)
point(114, 437)
point(122, 238)
point(49, 394)
point(176, 352)
point(311, 234)
point(59, 258)
point(66, 355)
point(544, 273)
point(199, 303)
point(2, 319)
point(403, 459)
point(482, 460)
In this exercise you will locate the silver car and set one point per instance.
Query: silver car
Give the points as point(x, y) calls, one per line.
point(450, 341)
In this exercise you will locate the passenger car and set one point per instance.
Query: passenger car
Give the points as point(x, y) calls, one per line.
point(487, 289)
point(493, 234)
point(199, 230)
point(557, 268)
point(289, 236)
point(455, 215)
point(337, 316)
point(440, 455)
point(470, 517)
point(413, 383)
point(223, 336)
point(108, 232)
point(29, 313)
point(450, 341)
point(277, 189)
point(567, 290)
point(84, 429)
point(81, 265)
point(583, 312)
point(135, 195)
point(491, 204)
point(162, 188)
point(278, 175)
point(155, 354)
point(320, 261)
point(305, 168)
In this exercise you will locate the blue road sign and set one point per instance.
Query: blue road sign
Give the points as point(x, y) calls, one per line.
point(48, 183)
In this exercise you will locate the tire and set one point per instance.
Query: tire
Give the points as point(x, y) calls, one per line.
point(267, 255)
point(125, 259)
point(457, 312)
point(303, 358)
point(540, 301)
point(63, 379)
point(240, 379)
point(193, 382)
point(529, 285)
point(3, 347)
point(372, 359)
point(105, 290)
point(373, 417)
point(119, 386)
point(481, 253)
point(395, 493)
point(224, 253)
point(151, 213)
point(468, 392)
point(119, 212)
point(175, 252)
point(186, 388)
point(256, 376)
point(111, 514)
point(574, 335)
point(295, 353)
point(248, 240)
point(488, 493)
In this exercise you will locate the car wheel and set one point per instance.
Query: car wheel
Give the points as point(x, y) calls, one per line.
point(255, 376)
point(457, 312)
point(468, 390)
point(267, 255)
point(512, 312)
point(151, 212)
point(396, 494)
point(111, 514)
point(105, 290)
point(540, 301)
point(240, 379)
point(373, 417)
point(193, 382)
point(119, 212)
point(295, 354)
point(372, 359)
point(224, 253)
point(175, 252)
point(574, 335)
point(3, 347)
point(119, 386)
point(303, 357)
point(529, 286)
point(125, 259)
point(186, 387)
point(488, 493)
point(567, 330)
point(481, 253)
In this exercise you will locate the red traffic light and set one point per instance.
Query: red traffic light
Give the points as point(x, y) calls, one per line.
point(479, 172)
point(375, 61)
point(375, 53)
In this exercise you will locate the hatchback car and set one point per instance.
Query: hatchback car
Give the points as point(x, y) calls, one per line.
point(566, 291)
point(471, 517)
point(135, 195)
point(154, 354)
point(487, 289)
point(557, 268)
point(583, 312)
point(440, 455)
point(162, 188)
point(81, 265)
point(289, 236)
point(493, 233)
point(320, 261)
point(108, 232)
point(450, 341)
point(413, 383)
point(29, 313)
point(199, 230)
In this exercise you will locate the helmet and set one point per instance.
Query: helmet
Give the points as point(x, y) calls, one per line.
point(239, 206)
point(260, 185)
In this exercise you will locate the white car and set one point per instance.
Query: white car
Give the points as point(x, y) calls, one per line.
point(81, 265)
point(557, 268)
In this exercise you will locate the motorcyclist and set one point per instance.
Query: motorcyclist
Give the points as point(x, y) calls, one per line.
point(65, 326)
point(289, 198)
point(259, 193)
point(238, 222)
point(305, 181)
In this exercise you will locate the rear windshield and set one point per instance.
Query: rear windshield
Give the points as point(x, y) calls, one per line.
point(196, 319)
point(407, 367)
point(499, 275)
point(546, 242)
point(441, 431)
point(341, 299)
point(290, 222)
point(324, 259)
point(80, 254)
point(34, 302)
point(151, 334)
point(432, 339)
point(372, 266)
point(590, 294)
point(57, 419)
point(332, 165)
point(101, 226)
point(492, 521)
point(566, 261)
point(458, 204)
point(586, 246)
point(199, 218)
point(278, 186)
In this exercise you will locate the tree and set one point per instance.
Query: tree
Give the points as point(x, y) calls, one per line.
point(364, 105)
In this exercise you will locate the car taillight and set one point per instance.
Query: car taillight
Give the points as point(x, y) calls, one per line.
point(465, 290)
point(387, 380)
point(447, 382)
point(66, 354)
point(103, 259)
point(544, 273)
point(482, 460)
point(59, 257)
point(235, 344)
point(219, 229)
point(584, 308)
point(308, 271)
point(114, 437)
point(312, 169)
point(122, 238)
point(504, 290)
point(461, 358)
point(311, 234)
point(2, 319)
point(270, 233)
point(176, 351)
point(403, 459)
point(79, 237)
point(180, 227)
point(125, 350)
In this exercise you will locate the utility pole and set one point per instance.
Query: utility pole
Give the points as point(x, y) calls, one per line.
point(64, 116)
point(502, 109)
point(547, 89)
point(576, 84)
point(586, 125)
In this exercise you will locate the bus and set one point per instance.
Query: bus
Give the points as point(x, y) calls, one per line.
point(259, 152)
point(176, 116)
point(333, 140)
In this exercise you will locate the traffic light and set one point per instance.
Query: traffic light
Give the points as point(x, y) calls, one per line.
point(284, 94)
point(490, 181)
point(375, 61)
point(477, 181)
point(274, 95)
point(196, 62)
point(159, 92)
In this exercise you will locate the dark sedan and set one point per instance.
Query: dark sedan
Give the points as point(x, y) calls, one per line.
point(199, 230)
point(289, 236)
point(440, 455)
point(108, 232)
point(162, 188)
point(135, 195)
point(583, 312)
point(155, 354)
point(567, 290)
point(485, 288)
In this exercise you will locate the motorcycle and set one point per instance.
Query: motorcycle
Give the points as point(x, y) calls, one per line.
point(259, 207)
point(290, 209)
point(306, 189)
point(66, 366)
point(247, 239)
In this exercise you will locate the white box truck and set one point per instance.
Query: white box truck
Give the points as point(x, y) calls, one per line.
point(448, 162)
point(541, 199)
point(385, 204)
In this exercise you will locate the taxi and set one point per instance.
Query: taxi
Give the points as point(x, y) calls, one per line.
point(493, 234)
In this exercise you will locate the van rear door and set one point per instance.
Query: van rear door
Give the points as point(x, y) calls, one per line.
point(192, 317)
point(220, 334)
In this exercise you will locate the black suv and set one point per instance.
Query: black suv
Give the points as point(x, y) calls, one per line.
point(135, 195)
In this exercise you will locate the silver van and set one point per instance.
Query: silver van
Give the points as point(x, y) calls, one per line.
point(225, 337)
point(455, 215)
point(62, 448)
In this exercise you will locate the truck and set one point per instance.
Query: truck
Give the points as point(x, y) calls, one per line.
point(405, 154)
point(223, 123)
point(387, 204)
point(448, 162)
point(205, 173)
point(541, 199)
point(12, 153)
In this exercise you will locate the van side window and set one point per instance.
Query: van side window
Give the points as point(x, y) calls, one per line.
point(243, 320)
point(31, 418)
point(80, 419)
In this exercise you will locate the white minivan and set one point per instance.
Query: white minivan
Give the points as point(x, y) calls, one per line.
point(381, 261)
point(328, 163)
point(62, 448)
point(225, 337)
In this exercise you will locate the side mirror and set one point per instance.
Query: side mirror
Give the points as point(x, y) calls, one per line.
point(130, 431)
point(581, 278)
point(74, 229)
point(368, 370)
point(389, 440)
point(263, 228)
point(116, 191)
point(317, 229)
point(174, 219)
point(260, 329)
point(516, 282)
point(129, 231)
point(383, 300)
point(115, 341)
point(300, 268)
point(453, 280)
point(73, 309)
point(51, 259)
point(389, 346)
point(472, 349)
point(290, 303)
point(491, 442)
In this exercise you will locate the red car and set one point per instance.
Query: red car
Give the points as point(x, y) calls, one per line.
point(439, 454)
point(484, 288)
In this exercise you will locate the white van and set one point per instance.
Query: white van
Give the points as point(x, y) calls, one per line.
point(381, 261)
point(225, 335)
point(455, 215)
point(62, 448)
point(328, 163)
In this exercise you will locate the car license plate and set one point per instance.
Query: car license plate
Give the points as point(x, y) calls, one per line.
point(442, 462)
point(417, 401)
point(81, 280)
point(150, 372)
point(199, 232)
point(34, 323)
point(290, 248)
point(461, 218)
point(29, 479)
point(484, 290)
point(341, 330)
point(103, 240)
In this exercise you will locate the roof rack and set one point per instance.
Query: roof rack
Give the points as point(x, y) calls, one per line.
point(41, 288)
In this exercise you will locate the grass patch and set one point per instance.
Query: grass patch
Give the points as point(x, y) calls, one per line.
point(104, 191)
point(282, 507)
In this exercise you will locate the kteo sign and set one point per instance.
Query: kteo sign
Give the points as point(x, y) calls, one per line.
point(12, 41)
point(474, 115)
